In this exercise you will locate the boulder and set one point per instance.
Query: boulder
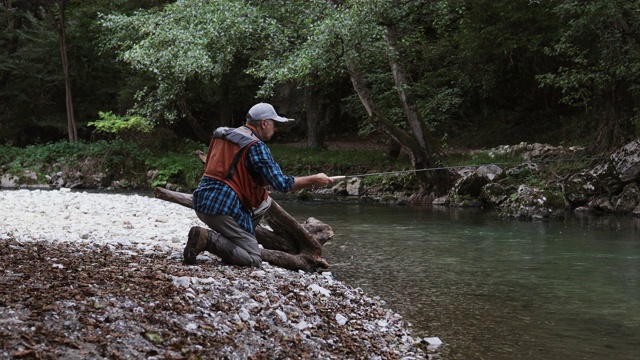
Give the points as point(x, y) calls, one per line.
point(627, 162)
point(340, 188)
point(441, 201)
point(490, 172)
point(57, 180)
point(27, 178)
point(354, 186)
point(628, 200)
point(532, 204)
point(470, 185)
point(8, 181)
point(494, 194)
point(602, 203)
point(579, 188)
point(607, 178)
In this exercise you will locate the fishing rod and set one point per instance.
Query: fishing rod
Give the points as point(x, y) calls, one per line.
point(340, 177)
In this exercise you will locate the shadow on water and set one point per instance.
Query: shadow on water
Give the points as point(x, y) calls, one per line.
point(492, 288)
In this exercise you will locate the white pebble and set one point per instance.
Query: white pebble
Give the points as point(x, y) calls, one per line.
point(182, 281)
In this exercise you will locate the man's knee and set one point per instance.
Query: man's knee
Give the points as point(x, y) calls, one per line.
point(243, 258)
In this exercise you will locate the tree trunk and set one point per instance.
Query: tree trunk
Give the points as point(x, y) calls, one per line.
point(419, 158)
point(430, 150)
point(312, 105)
point(194, 124)
point(13, 24)
point(290, 245)
point(421, 146)
point(226, 116)
point(614, 127)
point(71, 122)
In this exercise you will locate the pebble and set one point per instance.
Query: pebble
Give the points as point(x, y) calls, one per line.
point(292, 304)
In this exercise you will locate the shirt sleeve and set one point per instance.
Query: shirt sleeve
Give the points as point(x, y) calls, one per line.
point(261, 162)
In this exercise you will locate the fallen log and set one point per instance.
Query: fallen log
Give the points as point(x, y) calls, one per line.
point(288, 244)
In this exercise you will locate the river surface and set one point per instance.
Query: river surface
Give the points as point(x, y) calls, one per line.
point(492, 288)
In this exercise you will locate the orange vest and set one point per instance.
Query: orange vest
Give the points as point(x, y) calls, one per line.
point(226, 161)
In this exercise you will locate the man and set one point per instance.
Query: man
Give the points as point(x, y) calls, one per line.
point(231, 197)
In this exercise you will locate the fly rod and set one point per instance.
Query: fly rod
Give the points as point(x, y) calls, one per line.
point(340, 177)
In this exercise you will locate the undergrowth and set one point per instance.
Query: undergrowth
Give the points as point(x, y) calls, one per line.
point(175, 162)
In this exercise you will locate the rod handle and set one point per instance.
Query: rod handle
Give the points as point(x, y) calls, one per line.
point(339, 177)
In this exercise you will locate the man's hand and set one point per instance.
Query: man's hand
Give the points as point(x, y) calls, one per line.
point(320, 179)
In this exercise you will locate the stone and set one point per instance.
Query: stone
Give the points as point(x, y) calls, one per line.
point(340, 188)
point(607, 178)
point(353, 186)
point(628, 200)
point(441, 201)
point(494, 194)
point(8, 181)
point(490, 172)
point(627, 161)
point(470, 185)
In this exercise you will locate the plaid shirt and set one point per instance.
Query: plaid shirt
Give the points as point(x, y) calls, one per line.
point(215, 197)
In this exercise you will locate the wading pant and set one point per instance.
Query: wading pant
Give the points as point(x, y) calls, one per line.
point(235, 245)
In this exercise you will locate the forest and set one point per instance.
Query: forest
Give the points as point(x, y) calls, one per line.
point(420, 75)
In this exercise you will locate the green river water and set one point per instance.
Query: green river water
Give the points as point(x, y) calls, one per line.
point(492, 288)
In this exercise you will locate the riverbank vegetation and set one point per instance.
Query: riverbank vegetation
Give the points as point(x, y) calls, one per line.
point(175, 162)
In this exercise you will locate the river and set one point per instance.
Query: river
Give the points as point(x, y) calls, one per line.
point(491, 288)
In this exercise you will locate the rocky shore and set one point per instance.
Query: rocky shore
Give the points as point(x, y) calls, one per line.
point(551, 181)
point(89, 275)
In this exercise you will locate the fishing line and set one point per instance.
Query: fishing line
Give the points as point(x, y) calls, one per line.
point(339, 177)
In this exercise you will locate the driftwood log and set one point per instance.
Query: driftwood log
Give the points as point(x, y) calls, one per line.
point(289, 244)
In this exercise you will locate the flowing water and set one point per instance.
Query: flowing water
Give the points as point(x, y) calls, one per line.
point(492, 288)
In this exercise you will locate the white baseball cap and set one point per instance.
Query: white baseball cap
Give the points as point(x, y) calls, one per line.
point(265, 111)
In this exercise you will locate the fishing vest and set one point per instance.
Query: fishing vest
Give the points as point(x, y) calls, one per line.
point(226, 161)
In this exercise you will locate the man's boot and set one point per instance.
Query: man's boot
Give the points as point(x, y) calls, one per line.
point(223, 248)
point(196, 243)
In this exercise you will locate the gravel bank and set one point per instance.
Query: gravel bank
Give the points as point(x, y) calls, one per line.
point(90, 275)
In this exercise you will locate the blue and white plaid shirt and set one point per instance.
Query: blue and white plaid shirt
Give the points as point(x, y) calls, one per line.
point(215, 197)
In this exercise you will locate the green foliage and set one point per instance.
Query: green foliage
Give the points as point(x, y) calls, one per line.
point(114, 124)
point(8, 154)
point(599, 71)
point(176, 168)
point(555, 200)
point(186, 42)
point(301, 161)
point(599, 48)
point(483, 72)
point(34, 155)
point(32, 93)
point(482, 157)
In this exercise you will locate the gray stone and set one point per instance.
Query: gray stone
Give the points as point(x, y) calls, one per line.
point(353, 186)
point(470, 185)
point(8, 181)
point(494, 194)
point(441, 201)
point(490, 172)
point(628, 200)
point(627, 161)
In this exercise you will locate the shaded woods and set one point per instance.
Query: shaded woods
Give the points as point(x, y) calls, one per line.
point(423, 75)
